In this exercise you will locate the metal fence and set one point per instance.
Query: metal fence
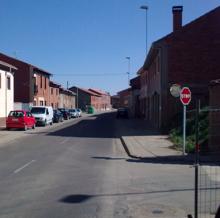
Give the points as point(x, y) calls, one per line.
point(208, 163)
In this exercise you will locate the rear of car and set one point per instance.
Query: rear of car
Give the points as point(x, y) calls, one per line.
point(122, 113)
point(65, 113)
point(73, 113)
point(57, 116)
point(79, 112)
point(20, 119)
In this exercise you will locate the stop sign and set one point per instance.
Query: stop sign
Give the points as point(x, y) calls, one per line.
point(185, 96)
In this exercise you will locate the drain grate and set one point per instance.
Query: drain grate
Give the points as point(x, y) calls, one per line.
point(157, 211)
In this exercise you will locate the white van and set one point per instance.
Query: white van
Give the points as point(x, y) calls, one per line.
point(43, 115)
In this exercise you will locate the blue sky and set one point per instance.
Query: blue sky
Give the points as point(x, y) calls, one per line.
point(75, 39)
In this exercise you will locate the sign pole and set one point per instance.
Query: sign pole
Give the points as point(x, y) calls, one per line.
point(184, 129)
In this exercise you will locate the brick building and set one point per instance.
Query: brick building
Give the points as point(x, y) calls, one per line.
point(85, 98)
point(188, 56)
point(115, 101)
point(54, 94)
point(135, 96)
point(125, 98)
point(31, 84)
point(104, 100)
point(67, 98)
point(214, 116)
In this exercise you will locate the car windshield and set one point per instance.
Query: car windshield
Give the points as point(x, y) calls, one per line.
point(38, 110)
point(16, 114)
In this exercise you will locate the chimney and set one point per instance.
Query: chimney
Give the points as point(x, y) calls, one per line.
point(177, 17)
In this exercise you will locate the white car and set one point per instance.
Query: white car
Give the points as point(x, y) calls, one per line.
point(79, 112)
point(73, 113)
point(43, 115)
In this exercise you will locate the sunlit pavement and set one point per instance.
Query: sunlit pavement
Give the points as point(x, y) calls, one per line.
point(80, 169)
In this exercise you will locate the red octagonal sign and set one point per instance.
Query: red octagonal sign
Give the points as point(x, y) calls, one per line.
point(185, 96)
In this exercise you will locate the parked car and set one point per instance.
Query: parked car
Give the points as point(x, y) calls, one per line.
point(65, 113)
point(20, 119)
point(122, 113)
point(79, 111)
point(73, 113)
point(43, 115)
point(57, 116)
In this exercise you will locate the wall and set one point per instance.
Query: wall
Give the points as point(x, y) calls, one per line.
point(42, 96)
point(6, 96)
point(214, 118)
point(21, 79)
point(54, 97)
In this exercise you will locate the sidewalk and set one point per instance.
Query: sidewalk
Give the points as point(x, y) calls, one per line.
point(143, 142)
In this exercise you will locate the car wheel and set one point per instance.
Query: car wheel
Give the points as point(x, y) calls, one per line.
point(8, 128)
point(34, 126)
point(51, 123)
point(45, 123)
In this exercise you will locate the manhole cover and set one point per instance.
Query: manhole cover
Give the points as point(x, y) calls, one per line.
point(157, 211)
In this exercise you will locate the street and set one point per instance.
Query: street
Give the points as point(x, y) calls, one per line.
point(80, 169)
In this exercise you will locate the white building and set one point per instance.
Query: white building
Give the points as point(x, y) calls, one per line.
point(6, 88)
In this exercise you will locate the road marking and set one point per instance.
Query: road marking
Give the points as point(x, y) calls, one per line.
point(21, 168)
point(64, 141)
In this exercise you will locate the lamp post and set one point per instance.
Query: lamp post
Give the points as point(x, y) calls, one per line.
point(144, 7)
point(129, 66)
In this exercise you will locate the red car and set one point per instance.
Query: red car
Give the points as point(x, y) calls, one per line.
point(20, 119)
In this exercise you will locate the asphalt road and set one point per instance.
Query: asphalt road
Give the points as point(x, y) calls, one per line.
point(80, 169)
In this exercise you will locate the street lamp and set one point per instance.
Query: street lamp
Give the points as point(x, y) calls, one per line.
point(144, 7)
point(129, 66)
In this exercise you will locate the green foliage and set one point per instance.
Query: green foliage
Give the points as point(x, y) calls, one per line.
point(176, 133)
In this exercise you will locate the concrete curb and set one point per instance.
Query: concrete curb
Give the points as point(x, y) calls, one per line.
point(127, 149)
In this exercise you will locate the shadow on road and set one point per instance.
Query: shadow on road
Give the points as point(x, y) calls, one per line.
point(105, 126)
point(80, 198)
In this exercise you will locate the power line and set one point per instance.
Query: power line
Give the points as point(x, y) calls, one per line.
point(93, 74)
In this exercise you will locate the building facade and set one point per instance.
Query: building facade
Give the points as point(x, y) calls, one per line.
point(115, 101)
point(6, 88)
point(67, 98)
point(31, 84)
point(54, 94)
point(85, 98)
point(214, 116)
point(187, 56)
point(125, 98)
point(104, 100)
point(135, 96)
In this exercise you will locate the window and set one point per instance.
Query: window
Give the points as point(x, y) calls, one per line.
point(56, 91)
point(51, 91)
point(45, 103)
point(41, 80)
point(41, 103)
point(45, 82)
point(8, 83)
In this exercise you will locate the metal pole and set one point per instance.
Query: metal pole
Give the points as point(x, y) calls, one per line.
point(77, 98)
point(129, 68)
point(184, 129)
point(196, 159)
point(144, 7)
point(146, 31)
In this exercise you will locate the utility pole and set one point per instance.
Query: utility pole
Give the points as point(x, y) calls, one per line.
point(144, 7)
point(129, 69)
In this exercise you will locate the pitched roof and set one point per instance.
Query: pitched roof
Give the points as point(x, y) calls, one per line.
point(180, 31)
point(7, 65)
point(98, 91)
point(34, 67)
